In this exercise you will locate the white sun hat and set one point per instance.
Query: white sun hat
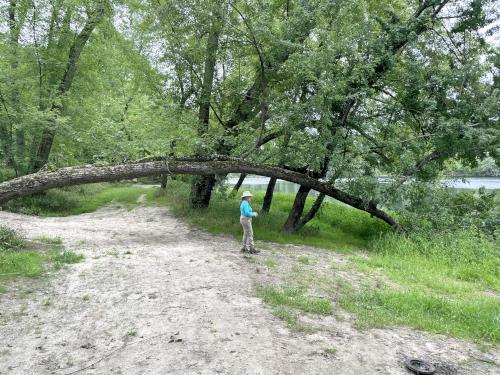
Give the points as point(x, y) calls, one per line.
point(246, 194)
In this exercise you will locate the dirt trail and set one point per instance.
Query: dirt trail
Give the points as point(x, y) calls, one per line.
point(154, 296)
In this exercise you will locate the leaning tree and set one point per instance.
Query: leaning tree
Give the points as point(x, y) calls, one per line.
point(326, 95)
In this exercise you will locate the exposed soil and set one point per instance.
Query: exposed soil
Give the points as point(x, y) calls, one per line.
point(155, 296)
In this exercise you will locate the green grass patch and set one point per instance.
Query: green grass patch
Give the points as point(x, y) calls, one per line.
point(49, 240)
point(76, 200)
point(458, 263)
point(331, 351)
point(65, 257)
point(303, 259)
point(461, 256)
point(285, 314)
point(14, 259)
point(269, 262)
point(10, 239)
point(337, 226)
point(296, 298)
point(290, 317)
point(448, 283)
point(17, 260)
point(476, 318)
point(21, 263)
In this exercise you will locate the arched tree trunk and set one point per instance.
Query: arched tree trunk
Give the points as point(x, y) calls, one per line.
point(268, 198)
point(69, 176)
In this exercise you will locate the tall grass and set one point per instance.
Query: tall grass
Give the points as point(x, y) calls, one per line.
point(447, 283)
point(463, 256)
point(336, 226)
point(468, 316)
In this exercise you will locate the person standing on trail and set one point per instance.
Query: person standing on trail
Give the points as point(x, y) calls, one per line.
point(246, 215)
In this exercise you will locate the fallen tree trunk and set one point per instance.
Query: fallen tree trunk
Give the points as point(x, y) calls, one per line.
point(87, 174)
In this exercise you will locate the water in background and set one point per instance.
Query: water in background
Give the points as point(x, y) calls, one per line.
point(257, 183)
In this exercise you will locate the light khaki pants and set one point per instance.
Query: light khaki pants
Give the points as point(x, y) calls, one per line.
point(246, 223)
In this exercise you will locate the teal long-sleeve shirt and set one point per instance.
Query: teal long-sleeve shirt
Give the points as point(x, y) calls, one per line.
point(245, 209)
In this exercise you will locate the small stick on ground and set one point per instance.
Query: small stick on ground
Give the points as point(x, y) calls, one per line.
point(114, 351)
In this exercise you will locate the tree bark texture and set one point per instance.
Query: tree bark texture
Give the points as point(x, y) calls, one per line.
point(297, 209)
point(201, 187)
point(238, 184)
point(311, 213)
point(41, 181)
point(201, 191)
point(164, 182)
point(268, 198)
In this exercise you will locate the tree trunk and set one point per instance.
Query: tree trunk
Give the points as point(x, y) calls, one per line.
point(16, 17)
point(201, 187)
point(297, 209)
point(164, 181)
point(69, 176)
point(201, 191)
point(268, 198)
point(20, 150)
point(238, 184)
point(15, 29)
point(48, 134)
point(294, 222)
point(6, 142)
point(311, 213)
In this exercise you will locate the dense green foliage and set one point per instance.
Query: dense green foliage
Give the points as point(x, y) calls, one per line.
point(351, 90)
point(485, 168)
point(440, 209)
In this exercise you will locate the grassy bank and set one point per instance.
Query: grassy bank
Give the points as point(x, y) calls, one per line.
point(336, 226)
point(444, 283)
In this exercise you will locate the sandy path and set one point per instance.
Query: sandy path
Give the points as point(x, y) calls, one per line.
point(148, 277)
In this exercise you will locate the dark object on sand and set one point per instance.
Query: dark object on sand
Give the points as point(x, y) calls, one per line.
point(419, 367)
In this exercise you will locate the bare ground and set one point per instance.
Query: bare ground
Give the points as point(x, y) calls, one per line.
point(155, 296)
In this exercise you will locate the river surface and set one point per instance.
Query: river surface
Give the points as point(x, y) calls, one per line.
point(258, 183)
